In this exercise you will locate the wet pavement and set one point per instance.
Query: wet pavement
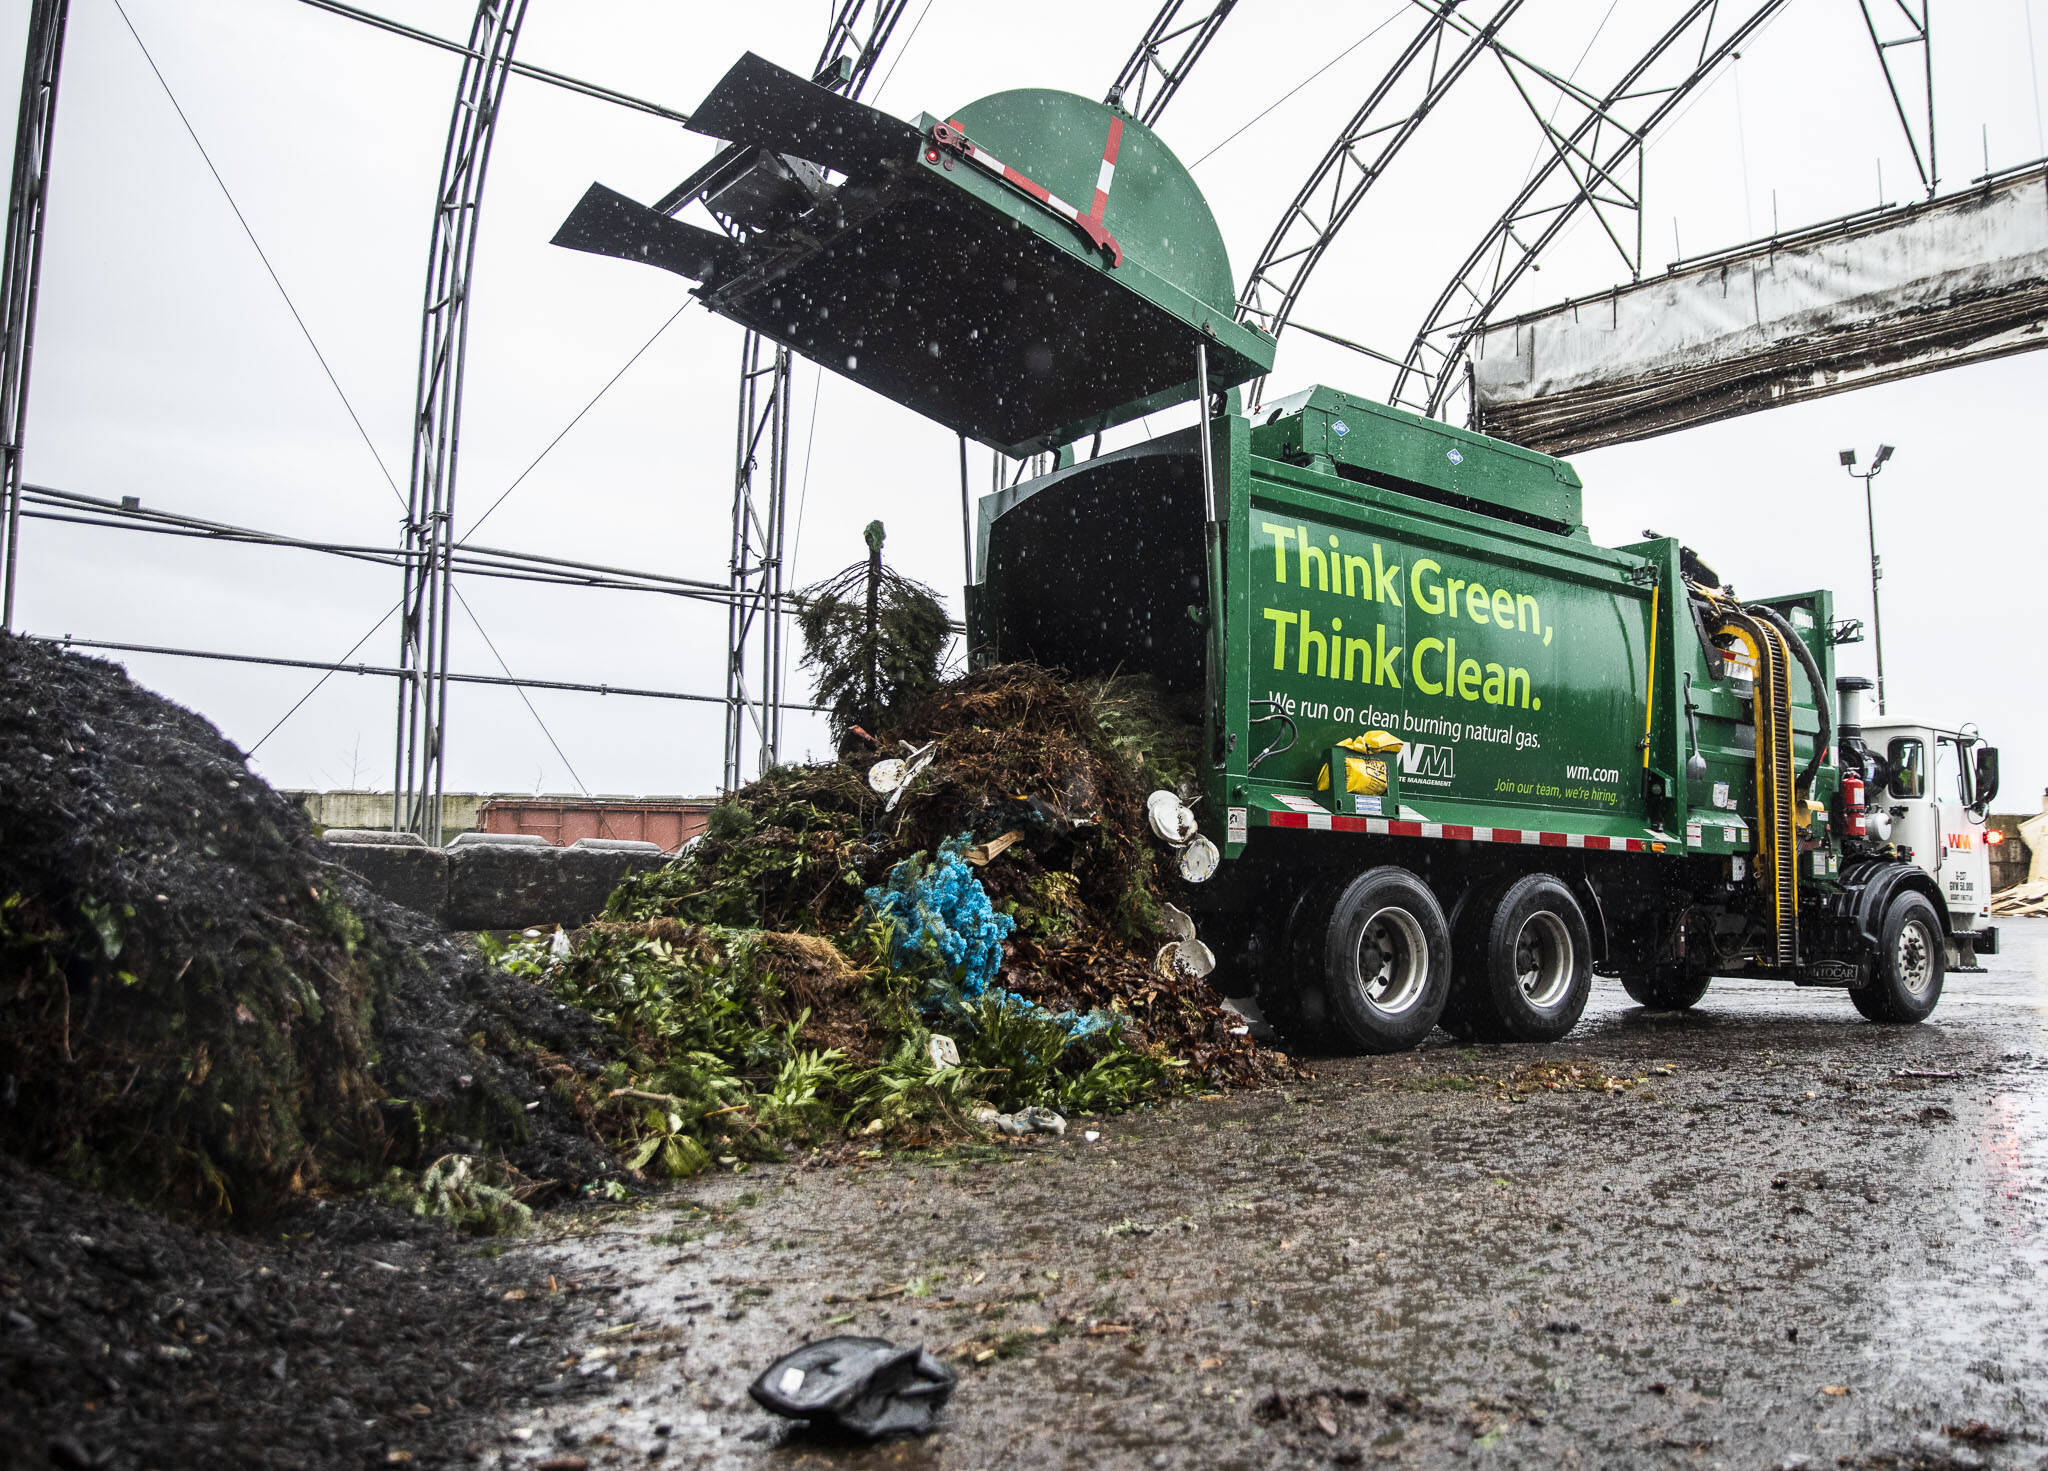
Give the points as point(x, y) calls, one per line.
point(1766, 1233)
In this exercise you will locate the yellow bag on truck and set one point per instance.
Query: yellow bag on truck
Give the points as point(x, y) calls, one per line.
point(1363, 776)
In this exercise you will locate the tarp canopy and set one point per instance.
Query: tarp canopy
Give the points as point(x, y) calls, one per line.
point(1886, 295)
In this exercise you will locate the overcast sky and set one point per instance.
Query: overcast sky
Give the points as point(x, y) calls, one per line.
point(169, 367)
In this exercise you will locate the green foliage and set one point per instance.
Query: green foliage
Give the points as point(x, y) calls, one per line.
point(714, 1067)
point(1030, 1056)
point(463, 1192)
point(872, 638)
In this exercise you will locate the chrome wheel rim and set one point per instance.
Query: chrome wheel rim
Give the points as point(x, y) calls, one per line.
point(1544, 960)
point(1913, 957)
point(1393, 961)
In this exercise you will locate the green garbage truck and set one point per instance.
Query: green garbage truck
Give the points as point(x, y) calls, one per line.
point(1457, 758)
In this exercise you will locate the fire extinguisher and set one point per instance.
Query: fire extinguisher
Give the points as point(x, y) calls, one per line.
point(1853, 825)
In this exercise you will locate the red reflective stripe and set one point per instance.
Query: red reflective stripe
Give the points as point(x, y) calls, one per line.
point(1286, 819)
point(1551, 840)
point(1116, 138)
point(1405, 829)
point(1452, 830)
point(1036, 191)
point(1507, 835)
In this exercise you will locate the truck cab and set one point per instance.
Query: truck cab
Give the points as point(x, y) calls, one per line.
point(1935, 786)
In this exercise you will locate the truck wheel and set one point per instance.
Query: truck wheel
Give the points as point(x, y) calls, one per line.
point(1905, 982)
point(1386, 961)
point(1524, 962)
point(1670, 987)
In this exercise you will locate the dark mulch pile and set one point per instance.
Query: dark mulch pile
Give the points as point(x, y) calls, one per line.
point(198, 1012)
point(128, 1341)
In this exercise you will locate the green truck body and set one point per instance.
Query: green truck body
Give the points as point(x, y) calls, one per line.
point(1455, 755)
point(1564, 711)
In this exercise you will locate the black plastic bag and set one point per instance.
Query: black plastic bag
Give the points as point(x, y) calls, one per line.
point(867, 1386)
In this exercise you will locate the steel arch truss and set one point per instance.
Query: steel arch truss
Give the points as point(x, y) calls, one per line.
point(1425, 70)
point(1903, 31)
point(418, 778)
point(1167, 53)
point(22, 271)
point(1593, 162)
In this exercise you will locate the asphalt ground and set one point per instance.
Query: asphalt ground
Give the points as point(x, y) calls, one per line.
point(1765, 1233)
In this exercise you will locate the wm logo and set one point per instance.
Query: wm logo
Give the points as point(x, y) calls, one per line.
point(1427, 761)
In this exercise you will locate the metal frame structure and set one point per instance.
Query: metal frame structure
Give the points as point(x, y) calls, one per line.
point(420, 761)
point(760, 506)
point(1146, 84)
point(1592, 158)
point(1393, 110)
point(1918, 33)
point(22, 269)
point(1588, 166)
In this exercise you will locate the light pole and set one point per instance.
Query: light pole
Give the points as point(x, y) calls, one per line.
point(1884, 452)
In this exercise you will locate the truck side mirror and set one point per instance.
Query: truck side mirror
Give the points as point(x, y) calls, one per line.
point(1907, 758)
point(1986, 787)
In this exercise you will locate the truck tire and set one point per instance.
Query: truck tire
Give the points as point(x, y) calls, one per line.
point(1905, 981)
point(1671, 987)
point(1386, 961)
point(1524, 962)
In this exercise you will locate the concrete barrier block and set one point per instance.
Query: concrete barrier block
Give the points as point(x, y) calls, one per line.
point(416, 877)
point(494, 887)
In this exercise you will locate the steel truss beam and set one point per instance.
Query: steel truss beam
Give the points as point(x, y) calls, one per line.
point(1593, 160)
point(1148, 81)
point(760, 500)
point(22, 268)
point(419, 767)
point(1439, 53)
point(1916, 33)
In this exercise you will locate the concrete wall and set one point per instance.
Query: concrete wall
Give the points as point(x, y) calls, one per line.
point(668, 821)
point(488, 887)
point(373, 809)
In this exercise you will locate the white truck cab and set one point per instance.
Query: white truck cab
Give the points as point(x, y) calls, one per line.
point(1935, 786)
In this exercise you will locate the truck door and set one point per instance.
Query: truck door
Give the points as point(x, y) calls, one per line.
point(1964, 865)
point(1916, 824)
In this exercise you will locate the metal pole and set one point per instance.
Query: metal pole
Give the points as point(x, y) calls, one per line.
point(1212, 673)
point(21, 273)
point(1876, 573)
point(966, 516)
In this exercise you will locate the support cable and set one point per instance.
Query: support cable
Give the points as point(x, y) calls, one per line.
point(299, 703)
point(466, 558)
point(518, 68)
point(524, 699)
point(898, 58)
point(1397, 12)
point(275, 280)
point(387, 671)
point(578, 419)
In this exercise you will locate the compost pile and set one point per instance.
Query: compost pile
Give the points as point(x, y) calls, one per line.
point(130, 1341)
point(786, 978)
point(199, 1013)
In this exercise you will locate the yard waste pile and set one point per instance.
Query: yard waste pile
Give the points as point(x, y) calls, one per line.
point(979, 936)
point(198, 1012)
